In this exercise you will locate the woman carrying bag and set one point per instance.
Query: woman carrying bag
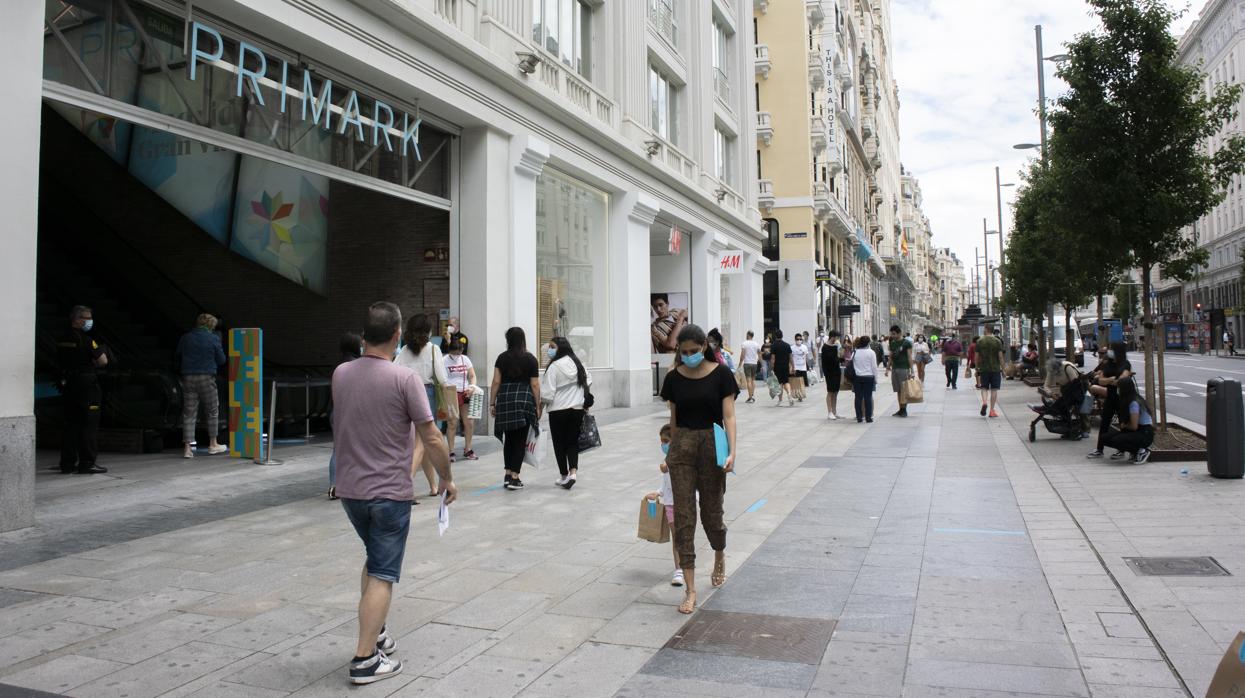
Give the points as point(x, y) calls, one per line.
point(564, 389)
point(425, 359)
point(701, 394)
point(514, 402)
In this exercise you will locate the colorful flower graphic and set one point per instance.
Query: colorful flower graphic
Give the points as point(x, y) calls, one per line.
point(272, 210)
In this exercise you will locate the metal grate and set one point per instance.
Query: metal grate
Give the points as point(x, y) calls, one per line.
point(1177, 567)
point(776, 638)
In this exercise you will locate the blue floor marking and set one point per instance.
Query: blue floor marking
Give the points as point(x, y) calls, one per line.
point(756, 505)
point(979, 530)
point(488, 489)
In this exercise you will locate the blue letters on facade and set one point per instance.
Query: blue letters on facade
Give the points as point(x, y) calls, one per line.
point(251, 66)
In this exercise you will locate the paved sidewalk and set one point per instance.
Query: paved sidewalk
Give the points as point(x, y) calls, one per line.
point(938, 555)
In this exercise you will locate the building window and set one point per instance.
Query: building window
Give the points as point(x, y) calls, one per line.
point(721, 61)
point(564, 28)
point(663, 105)
point(724, 157)
point(661, 14)
point(572, 281)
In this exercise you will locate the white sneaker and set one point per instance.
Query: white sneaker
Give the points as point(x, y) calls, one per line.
point(217, 449)
point(378, 667)
point(676, 580)
point(562, 480)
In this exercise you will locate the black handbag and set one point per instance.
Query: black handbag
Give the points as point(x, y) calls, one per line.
point(589, 436)
point(589, 401)
point(850, 371)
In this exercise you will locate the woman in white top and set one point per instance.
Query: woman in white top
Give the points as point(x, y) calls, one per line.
point(920, 352)
point(462, 375)
point(565, 389)
point(799, 358)
point(864, 379)
point(424, 358)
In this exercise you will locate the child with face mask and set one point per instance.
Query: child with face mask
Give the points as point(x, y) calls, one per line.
point(667, 498)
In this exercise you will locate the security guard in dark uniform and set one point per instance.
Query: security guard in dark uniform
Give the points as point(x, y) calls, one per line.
point(80, 358)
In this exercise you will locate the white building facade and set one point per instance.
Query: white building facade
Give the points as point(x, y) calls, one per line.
point(1215, 43)
point(580, 160)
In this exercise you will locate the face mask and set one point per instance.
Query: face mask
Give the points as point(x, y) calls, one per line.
point(665, 448)
point(1111, 354)
point(86, 326)
point(449, 329)
point(694, 360)
point(551, 352)
point(397, 350)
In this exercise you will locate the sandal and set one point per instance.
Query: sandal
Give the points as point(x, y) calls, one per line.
point(689, 603)
point(718, 578)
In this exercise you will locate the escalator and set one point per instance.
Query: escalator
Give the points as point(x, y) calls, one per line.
point(140, 309)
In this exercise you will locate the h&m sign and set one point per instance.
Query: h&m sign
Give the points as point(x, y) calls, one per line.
point(251, 68)
point(731, 262)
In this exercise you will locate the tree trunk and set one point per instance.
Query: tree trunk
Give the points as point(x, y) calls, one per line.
point(1043, 357)
point(1100, 331)
point(1069, 336)
point(1147, 322)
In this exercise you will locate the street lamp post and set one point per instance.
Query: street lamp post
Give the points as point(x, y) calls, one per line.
point(998, 199)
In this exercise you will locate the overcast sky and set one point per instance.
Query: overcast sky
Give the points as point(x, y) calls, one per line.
point(968, 92)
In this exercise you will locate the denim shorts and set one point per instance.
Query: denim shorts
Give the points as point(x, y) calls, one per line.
point(382, 525)
point(991, 380)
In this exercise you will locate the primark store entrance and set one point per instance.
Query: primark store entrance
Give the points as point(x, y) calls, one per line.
point(188, 166)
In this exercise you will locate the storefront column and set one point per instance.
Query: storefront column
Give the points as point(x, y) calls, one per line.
point(706, 301)
point(484, 267)
point(21, 54)
point(529, 156)
point(631, 216)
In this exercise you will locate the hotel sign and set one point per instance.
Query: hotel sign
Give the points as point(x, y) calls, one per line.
point(296, 91)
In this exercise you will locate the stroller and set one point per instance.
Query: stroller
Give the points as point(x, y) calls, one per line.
point(1063, 415)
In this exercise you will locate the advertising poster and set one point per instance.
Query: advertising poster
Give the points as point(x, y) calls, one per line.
point(668, 315)
point(281, 221)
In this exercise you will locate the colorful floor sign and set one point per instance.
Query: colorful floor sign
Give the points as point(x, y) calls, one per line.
point(246, 395)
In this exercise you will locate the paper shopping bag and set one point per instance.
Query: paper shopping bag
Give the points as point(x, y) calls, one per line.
point(447, 402)
point(653, 526)
point(534, 449)
point(913, 391)
point(1229, 679)
point(797, 386)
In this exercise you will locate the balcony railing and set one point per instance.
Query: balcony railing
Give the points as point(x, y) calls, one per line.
point(661, 15)
point(819, 133)
point(722, 86)
point(765, 127)
point(577, 91)
point(821, 199)
point(763, 63)
point(834, 158)
point(765, 193)
point(816, 69)
point(816, 11)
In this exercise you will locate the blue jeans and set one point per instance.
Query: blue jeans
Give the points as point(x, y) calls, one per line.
point(863, 387)
point(382, 525)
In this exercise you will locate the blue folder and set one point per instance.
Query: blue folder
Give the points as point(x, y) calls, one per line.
point(721, 444)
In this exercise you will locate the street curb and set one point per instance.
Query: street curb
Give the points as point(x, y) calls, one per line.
point(1199, 429)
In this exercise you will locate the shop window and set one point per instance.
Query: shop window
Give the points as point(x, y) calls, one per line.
point(564, 28)
point(663, 106)
point(571, 266)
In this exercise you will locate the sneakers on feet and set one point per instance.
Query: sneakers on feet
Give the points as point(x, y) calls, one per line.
point(570, 482)
point(1094, 454)
point(375, 668)
point(561, 480)
point(984, 409)
point(515, 484)
point(676, 580)
point(217, 449)
point(1142, 456)
point(452, 459)
point(384, 642)
point(470, 455)
point(1119, 455)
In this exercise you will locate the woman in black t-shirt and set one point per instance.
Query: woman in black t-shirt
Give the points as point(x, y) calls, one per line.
point(515, 402)
point(701, 393)
point(1115, 369)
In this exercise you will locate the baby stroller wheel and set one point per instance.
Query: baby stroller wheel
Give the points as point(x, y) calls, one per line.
point(1032, 434)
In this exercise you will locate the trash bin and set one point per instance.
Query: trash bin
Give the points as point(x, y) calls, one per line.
point(1225, 428)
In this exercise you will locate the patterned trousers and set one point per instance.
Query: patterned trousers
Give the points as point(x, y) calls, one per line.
point(693, 465)
point(198, 387)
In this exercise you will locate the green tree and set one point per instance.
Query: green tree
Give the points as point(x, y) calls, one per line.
point(1128, 144)
point(1032, 271)
point(1127, 304)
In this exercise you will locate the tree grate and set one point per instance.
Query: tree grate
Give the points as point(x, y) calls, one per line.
point(1177, 567)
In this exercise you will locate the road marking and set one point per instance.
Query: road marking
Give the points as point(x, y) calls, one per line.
point(979, 530)
point(1171, 394)
point(755, 506)
point(1196, 385)
point(488, 489)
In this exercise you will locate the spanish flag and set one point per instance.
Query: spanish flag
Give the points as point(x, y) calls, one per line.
point(903, 245)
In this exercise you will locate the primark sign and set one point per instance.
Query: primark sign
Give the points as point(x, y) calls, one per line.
point(296, 92)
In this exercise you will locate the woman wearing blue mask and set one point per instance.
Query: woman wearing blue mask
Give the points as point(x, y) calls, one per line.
point(564, 389)
point(701, 394)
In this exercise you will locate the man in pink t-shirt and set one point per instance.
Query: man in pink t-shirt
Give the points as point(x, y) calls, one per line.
point(375, 404)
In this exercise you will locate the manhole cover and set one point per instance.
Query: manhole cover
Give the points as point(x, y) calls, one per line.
point(777, 638)
point(1177, 567)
